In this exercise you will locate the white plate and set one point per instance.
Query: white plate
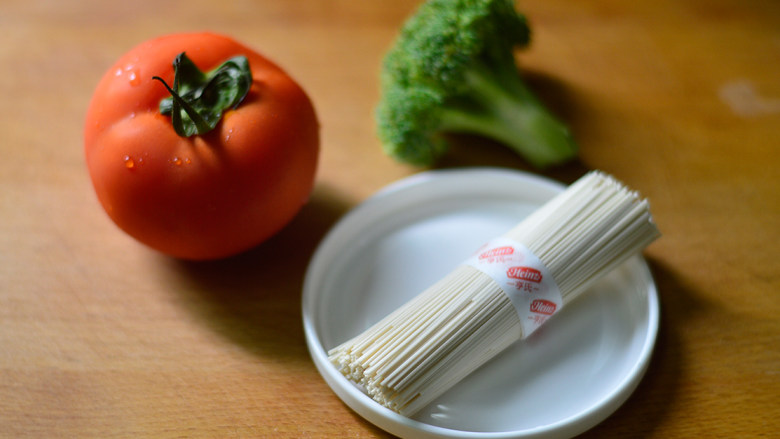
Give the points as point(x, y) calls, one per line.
point(568, 376)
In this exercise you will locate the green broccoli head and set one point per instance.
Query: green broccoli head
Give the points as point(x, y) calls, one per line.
point(410, 124)
point(452, 69)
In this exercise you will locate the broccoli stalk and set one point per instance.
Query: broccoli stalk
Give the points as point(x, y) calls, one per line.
point(452, 69)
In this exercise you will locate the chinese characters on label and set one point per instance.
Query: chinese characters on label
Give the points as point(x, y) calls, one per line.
point(524, 279)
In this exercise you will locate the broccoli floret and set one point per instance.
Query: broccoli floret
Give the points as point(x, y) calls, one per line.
point(452, 69)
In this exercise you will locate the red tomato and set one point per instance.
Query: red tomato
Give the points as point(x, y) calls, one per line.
point(207, 196)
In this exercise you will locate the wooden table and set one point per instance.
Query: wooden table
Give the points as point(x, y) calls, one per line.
point(101, 337)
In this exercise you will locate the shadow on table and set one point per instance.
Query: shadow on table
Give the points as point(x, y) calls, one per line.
point(254, 299)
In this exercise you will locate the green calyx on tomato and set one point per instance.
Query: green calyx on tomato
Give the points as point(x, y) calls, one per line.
point(198, 100)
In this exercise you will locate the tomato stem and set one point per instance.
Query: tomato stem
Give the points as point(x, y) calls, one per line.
point(198, 100)
point(201, 125)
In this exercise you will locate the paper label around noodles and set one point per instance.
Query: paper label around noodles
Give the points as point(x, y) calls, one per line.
point(522, 276)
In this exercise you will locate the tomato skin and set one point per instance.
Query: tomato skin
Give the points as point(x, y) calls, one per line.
point(207, 196)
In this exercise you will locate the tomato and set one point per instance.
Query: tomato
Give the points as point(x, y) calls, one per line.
point(209, 195)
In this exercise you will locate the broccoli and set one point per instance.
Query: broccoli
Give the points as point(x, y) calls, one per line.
point(452, 69)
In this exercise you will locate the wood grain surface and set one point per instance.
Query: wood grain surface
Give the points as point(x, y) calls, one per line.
point(102, 338)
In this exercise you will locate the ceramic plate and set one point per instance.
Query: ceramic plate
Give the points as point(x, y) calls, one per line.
point(568, 376)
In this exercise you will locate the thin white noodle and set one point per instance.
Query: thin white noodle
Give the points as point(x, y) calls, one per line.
point(449, 330)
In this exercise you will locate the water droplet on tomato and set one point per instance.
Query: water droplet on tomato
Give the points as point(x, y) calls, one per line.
point(129, 162)
point(134, 77)
point(187, 160)
point(176, 161)
point(133, 73)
